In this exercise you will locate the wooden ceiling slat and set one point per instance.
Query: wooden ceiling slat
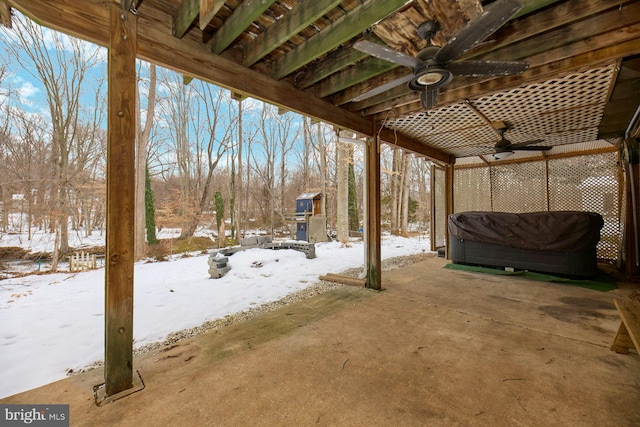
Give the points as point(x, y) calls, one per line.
point(334, 62)
point(355, 74)
point(242, 17)
point(347, 27)
point(208, 9)
point(264, 50)
point(555, 17)
point(350, 93)
point(300, 17)
point(184, 17)
point(609, 21)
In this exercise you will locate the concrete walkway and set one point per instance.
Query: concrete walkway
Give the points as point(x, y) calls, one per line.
point(436, 347)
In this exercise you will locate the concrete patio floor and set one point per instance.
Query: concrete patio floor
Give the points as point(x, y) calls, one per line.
point(436, 347)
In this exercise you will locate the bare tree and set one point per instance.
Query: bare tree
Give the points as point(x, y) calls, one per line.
point(200, 131)
point(61, 64)
point(277, 135)
point(213, 141)
point(142, 144)
point(406, 181)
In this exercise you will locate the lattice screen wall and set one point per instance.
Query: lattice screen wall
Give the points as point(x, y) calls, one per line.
point(580, 183)
point(440, 214)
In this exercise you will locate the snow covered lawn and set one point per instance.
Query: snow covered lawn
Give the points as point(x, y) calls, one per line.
point(54, 323)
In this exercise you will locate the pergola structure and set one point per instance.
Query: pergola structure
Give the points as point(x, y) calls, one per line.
point(299, 55)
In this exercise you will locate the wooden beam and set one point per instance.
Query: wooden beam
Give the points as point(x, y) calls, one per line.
point(606, 23)
point(5, 14)
point(129, 5)
point(448, 193)
point(373, 260)
point(540, 158)
point(208, 9)
point(345, 280)
point(240, 19)
point(334, 62)
point(350, 93)
point(301, 16)
point(184, 17)
point(355, 74)
point(89, 20)
point(533, 5)
point(405, 142)
point(559, 16)
point(353, 23)
point(432, 204)
point(122, 116)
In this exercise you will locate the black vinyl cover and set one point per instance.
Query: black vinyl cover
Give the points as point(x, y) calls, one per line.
point(549, 231)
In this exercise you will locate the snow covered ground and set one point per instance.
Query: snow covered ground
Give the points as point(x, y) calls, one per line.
point(50, 324)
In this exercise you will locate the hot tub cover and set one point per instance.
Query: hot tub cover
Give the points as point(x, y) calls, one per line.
point(550, 231)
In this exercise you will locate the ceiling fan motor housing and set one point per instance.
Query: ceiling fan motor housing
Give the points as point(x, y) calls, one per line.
point(429, 74)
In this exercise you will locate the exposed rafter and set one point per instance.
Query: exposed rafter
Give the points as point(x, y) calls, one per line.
point(353, 23)
point(184, 17)
point(242, 17)
point(302, 15)
point(299, 55)
point(208, 9)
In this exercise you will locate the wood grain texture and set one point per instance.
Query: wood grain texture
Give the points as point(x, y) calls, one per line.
point(120, 202)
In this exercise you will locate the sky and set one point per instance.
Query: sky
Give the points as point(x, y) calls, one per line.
point(53, 323)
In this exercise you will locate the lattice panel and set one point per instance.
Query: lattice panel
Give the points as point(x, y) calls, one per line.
point(589, 183)
point(580, 183)
point(440, 216)
point(519, 187)
point(475, 185)
point(560, 111)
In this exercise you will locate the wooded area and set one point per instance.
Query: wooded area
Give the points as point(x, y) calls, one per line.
point(195, 138)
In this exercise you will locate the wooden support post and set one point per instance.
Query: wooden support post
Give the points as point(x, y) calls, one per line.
point(122, 116)
point(632, 220)
point(5, 14)
point(448, 183)
point(372, 231)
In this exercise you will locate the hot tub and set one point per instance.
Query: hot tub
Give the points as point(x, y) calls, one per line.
point(561, 242)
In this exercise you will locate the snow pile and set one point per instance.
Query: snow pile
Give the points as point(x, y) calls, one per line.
point(52, 324)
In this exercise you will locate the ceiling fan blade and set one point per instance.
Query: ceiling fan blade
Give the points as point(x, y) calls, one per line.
point(382, 88)
point(487, 68)
point(429, 98)
point(526, 143)
point(494, 17)
point(531, 148)
point(386, 53)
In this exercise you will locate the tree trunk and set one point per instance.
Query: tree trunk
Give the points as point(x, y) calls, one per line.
point(354, 220)
point(142, 145)
point(395, 192)
point(406, 178)
point(237, 196)
point(343, 193)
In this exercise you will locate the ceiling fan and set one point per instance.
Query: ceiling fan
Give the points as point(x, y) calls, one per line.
point(434, 67)
point(505, 148)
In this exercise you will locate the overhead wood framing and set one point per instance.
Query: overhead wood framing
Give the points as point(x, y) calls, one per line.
point(5, 14)
point(122, 117)
point(300, 56)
